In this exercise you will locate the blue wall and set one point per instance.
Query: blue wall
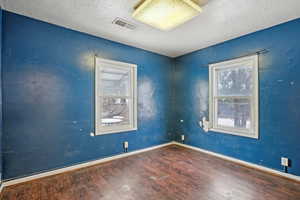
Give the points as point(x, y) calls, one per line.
point(47, 85)
point(48, 94)
point(279, 97)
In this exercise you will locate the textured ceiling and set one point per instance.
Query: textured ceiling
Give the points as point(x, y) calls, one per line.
point(220, 20)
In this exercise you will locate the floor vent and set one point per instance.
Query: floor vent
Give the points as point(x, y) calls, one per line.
point(123, 23)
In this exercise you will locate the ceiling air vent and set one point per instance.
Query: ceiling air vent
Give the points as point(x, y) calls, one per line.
point(123, 23)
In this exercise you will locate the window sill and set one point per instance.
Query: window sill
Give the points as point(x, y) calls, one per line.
point(115, 131)
point(243, 134)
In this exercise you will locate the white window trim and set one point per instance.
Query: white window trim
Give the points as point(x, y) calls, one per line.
point(99, 130)
point(255, 97)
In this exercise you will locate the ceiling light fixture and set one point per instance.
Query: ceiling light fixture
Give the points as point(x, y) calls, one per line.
point(165, 14)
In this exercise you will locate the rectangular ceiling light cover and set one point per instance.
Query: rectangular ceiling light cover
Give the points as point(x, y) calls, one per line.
point(166, 14)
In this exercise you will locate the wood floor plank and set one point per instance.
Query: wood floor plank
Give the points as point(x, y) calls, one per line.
point(169, 173)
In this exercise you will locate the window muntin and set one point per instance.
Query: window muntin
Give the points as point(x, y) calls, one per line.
point(115, 97)
point(234, 96)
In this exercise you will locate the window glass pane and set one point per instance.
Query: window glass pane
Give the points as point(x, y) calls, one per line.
point(115, 111)
point(115, 81)
point(234, 113)
point(236, 81)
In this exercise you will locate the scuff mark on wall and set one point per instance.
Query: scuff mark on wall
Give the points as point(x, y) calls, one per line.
point(201, 91)
point(146, 101)
point(87, 59)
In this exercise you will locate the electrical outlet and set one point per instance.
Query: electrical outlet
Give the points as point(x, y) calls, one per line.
point(182, 138)
point(126, 145)
point(284, 161)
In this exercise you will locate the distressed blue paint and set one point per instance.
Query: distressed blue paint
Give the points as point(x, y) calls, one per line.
point(47, 97)
point(48, 90)
point(279, 97)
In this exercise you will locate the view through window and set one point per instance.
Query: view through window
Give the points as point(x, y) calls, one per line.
point(234, 96)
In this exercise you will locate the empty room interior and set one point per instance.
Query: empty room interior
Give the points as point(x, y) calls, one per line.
point(149, 100)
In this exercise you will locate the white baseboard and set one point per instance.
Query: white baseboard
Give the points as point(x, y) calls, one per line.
point(91, 163)
point(241, 162)
point(74, 167)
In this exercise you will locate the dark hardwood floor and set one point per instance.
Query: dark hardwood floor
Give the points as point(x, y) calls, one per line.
point(169, 173)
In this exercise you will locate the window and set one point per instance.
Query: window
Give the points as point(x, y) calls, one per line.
point(115, 96)
point(234, 96)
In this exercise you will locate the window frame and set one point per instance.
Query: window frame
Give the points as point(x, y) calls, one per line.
point(132, 126)
point(254, 98)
